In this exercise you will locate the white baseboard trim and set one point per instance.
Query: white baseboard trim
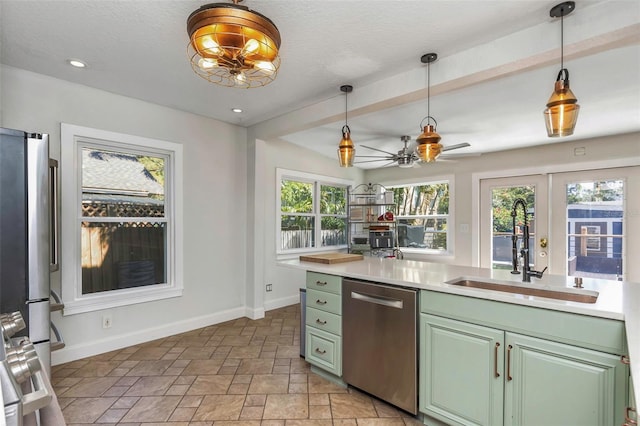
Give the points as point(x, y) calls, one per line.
point(282, 302)
point(254, 314)
point(83, 350)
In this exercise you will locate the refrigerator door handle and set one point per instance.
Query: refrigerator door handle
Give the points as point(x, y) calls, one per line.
point(54, 264)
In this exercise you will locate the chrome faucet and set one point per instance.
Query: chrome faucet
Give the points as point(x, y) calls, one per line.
point(527, 272)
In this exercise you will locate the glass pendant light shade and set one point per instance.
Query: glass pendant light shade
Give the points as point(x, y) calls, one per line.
point(346, 149)
point(429, 146)
point(561, 114)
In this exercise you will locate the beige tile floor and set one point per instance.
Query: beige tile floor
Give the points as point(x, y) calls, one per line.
point(241, 372)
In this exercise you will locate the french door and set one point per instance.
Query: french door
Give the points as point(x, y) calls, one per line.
point(581, 222)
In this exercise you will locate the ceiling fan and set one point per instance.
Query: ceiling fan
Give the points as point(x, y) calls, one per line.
point(405, 158)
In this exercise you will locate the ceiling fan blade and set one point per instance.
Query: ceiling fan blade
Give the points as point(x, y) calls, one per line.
point(376, 149)
point(375, 156)
point(371, 161)
point(456, 146)
point(392, 163)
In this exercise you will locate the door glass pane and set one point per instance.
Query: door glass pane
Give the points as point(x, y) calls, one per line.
point(503, 199)
point(595, 211)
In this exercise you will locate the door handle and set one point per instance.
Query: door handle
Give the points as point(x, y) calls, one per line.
point(495, 359)
point(54, 263)
point(509, 378)
point(392, 303)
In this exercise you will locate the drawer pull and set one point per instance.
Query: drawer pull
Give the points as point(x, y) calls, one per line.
point(625, 360)
point(495, 360)
point(321, 283)
point(321, 302)
point(321, 352)
point(320, 321)
point(627, 417)
point(509, 378)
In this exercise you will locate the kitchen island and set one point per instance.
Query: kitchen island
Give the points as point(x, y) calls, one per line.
point(615, 300)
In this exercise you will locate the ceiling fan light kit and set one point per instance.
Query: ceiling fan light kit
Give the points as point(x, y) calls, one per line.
point(561, 114)
point(346, 148)
point(232, 45)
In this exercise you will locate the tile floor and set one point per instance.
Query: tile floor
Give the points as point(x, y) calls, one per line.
point(241, 372)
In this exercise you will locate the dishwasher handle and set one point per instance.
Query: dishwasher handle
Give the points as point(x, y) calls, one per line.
point(391, 303)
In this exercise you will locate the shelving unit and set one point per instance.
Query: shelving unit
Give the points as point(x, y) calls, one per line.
point(371, 222)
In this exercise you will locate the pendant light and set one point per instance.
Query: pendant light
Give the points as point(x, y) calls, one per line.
point(562, 110)
point(346, 149)
point(232, 45)
point(429, 146)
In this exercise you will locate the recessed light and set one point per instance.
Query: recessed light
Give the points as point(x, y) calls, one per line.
point(77, 63)
point(236, 109)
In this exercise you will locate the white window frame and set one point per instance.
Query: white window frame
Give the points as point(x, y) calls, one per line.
point(73, 140)
point(450, 217)
point(316, 180)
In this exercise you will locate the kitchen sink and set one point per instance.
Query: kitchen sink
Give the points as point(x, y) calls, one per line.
point(581, 296)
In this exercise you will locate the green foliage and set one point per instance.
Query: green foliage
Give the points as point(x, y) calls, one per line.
point(593, 192)
point(155, 167)
point(297, 197)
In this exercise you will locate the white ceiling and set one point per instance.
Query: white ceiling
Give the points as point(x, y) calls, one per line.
point(497, 64)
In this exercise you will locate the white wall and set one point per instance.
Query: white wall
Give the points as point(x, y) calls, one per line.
point(279, 154)
point(214, 192)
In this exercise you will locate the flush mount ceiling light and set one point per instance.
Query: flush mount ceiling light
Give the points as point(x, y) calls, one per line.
point(346, 149)
point(562, 110)
point(428, 142)
point(233, 46)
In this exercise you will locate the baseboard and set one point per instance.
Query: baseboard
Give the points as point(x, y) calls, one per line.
point(83, 350)
point(254, 314)
point(282, 302)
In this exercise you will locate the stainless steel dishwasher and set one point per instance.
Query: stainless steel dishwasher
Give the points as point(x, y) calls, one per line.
point(379, 337)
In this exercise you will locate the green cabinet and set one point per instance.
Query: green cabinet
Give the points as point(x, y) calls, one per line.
point(461, 367)
point(323, 334)
point(487, 372)
point(551, 383)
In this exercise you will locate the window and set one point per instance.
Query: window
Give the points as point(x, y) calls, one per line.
point(121, 221)
point(312, 212)
point(422, 212)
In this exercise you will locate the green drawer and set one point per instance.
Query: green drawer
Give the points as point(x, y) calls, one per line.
point(324, 350)
point(324, 321)
point(324, 282)
point(324, 301)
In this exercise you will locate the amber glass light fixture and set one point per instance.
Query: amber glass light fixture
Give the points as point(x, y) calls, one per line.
point(562, 109)
point(429, 146)
point(232, 45)
point(346, 149)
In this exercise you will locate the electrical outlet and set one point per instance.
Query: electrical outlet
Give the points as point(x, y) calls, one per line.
point(106, 321)
point(269, 287)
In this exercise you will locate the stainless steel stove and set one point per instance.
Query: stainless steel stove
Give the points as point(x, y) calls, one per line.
point(23, 382)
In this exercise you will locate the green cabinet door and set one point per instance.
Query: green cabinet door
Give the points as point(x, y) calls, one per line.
point(461, 372)
point(549, 383)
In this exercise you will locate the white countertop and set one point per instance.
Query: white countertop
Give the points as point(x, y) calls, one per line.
point(617, 300)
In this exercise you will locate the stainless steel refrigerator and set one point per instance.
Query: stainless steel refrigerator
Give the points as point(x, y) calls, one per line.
point(27, 247)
